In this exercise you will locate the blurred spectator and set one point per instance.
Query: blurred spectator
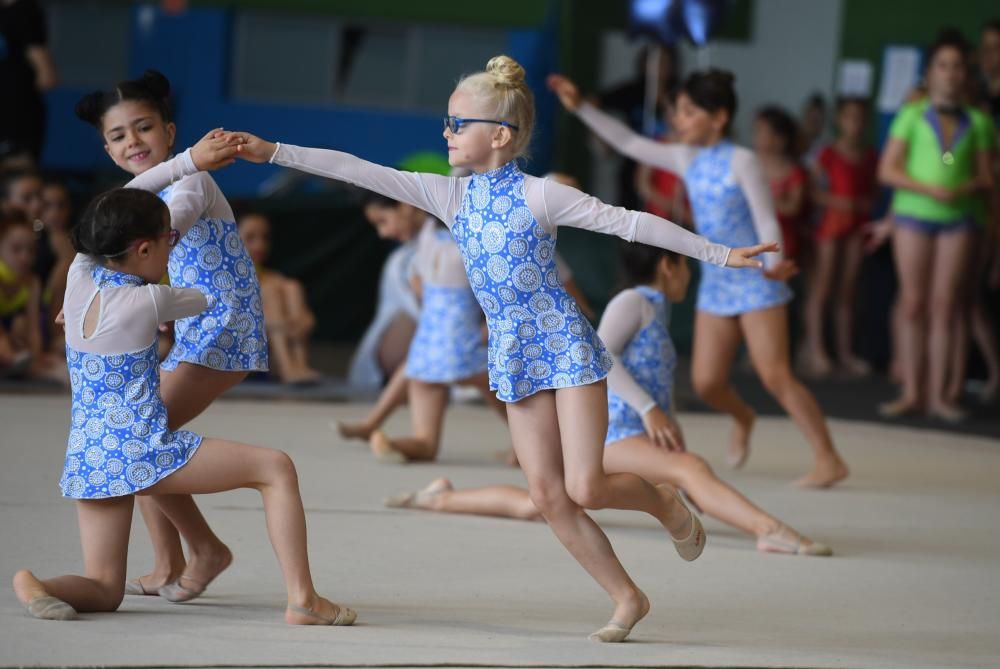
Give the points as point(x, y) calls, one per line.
point(989, 66)
point(660, 191)
point(814, 128)
point(21, 191)
point(57, 216)
point(937, 159)
point(21, 344)
point(774, 142)
point(844, 189)
point(26, 70)
point(287, 316)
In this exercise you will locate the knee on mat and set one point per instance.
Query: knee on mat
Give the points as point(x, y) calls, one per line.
point(112, 595)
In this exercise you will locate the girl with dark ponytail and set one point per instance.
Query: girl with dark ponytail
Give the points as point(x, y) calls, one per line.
point(731, 201)
point(213, 350)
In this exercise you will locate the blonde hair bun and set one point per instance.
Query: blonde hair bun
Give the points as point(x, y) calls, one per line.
point(504, 94)
point(506, 71)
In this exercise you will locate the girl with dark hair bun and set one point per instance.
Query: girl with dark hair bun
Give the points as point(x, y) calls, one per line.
point(121, 444)
point(213, 350)
point(937, 160)
point(731, 201)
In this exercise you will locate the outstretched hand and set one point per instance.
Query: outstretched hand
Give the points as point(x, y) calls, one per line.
point(255, 149)
point(744, 257)
point(215, 150)
point(565, 90)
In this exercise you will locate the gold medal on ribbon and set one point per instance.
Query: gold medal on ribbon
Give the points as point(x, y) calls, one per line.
point(948, 158)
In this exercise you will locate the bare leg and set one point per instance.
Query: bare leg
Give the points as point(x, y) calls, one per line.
point(984, 335)
point(168, 554)
point(104, 532)
point(951, 258)
point(482, 383)
point(219, 466)
point(502, 501)
point(535, 432)
point(913, 253)
point(186, 392)
point(820, 288)
point(716, 497)
point(428, 402)
point(279, 335)
point(301, 323)
point(716, 340)
point(853, 257)
point(395, 344)
point(766, 333)
point(392, 396)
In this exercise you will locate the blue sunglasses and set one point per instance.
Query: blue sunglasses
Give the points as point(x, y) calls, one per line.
point(454, 123)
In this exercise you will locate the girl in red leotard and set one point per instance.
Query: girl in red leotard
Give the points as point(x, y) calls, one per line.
point(844, 177)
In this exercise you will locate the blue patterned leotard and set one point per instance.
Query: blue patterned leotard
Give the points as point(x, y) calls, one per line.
point(537, 337)
point(650, 358)
point(448, 345)
point(119, 442)
point(212, 258)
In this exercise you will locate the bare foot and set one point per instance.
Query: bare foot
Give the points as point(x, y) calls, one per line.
point(204, 565)
point(382, 449)
point(854, 366)
point(319, 611)
point(949, 413)
point(353, 430)
point(817, 366)
point(988, 394)
point(904, 406)
point(824, 475)
point(739, 440)
point(302, 376)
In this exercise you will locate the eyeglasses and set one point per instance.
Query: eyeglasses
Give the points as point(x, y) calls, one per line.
point(172, 236)
point(455, 123)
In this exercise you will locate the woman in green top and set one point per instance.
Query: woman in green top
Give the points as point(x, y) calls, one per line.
point(938, 160)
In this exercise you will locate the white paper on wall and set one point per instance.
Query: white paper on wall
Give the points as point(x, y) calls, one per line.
point(855, 78)
point(900, 74)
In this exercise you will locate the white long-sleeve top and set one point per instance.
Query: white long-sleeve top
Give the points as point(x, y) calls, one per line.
point(193, 195)
point(438, 261)
point(676, 158)
point(626, 315)
point(552, 204)
point(129, 316)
